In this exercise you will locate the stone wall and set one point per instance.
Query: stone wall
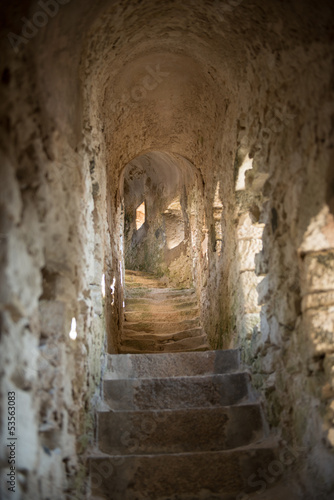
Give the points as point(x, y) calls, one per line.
point(212, 83)
point(54, 251)
point(290, 347)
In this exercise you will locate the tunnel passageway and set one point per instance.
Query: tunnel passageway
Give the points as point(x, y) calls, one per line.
point(186, 147)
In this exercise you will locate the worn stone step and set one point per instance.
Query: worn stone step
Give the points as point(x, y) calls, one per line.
point(161, 316)
point(164, 345)
point(160, 337)
point(182, 476)
point(167, 349)
point(177, 431)
point(135, 279)
point(177, 393)
point(161, 326)
point(160, 304)
point(159, 293)
point(149, 284)
point(123, 366)
point(162, 308)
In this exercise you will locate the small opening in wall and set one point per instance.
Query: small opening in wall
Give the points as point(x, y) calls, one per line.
point(73, 332)
point(241, 181)
point(140, 216)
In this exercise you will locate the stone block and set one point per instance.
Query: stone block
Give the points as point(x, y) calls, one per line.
point(164, 431)
point(261, 264)
point(317, 300)
point(319, 325)
point(264, 327)
point(165, 365)
point(249, 283)
point(275, 332)
point(319, 234)
point(318, 272)
point(250, 321)
point(248, 230)
point(263, 291)
point(53, 318)
point(271, 361)
point(247, 250)
point(177, 393)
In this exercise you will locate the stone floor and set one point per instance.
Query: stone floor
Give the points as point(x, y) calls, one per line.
point(179, 421)
point(179, 426)
point(160, 319)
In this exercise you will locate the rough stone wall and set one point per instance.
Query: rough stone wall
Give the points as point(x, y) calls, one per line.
point(105, 82)
point(290, 349)
point(53, 245)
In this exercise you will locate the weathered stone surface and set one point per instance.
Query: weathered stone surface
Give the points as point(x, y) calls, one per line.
point(178, 427)
point(247, 250)
point(319, 272)
point(179, 431)
point(177, 392)
point(161, 316)
point(160, 337)
point(319, 234)
point(261, 264)
point(250, 321)
point(248, 230)
point(249, 283)
point(263, 290)
point(174, 343)
point(318, 300)
point(161, 326)
point(160, 322)
point(53, 318)
point(320, 328)
point(179, 475)
point(165, 365)
point(206, 83)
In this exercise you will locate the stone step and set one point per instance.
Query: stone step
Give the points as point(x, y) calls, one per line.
point(167, 349)
point(157, 301)
point(161, 326)
point(177, 392)
point(149, 284)
point(161, 316)
point(163, 309)
point(135, 279)
point(159, 293)
point(123, 366)
point(164, 345)
point(160, 337)
point(177, 431)
point(184, 476)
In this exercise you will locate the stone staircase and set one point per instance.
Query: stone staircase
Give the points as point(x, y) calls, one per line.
point(160, 319)
point(178, 426)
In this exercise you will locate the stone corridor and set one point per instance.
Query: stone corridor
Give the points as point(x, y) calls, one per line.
point(187, 147)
